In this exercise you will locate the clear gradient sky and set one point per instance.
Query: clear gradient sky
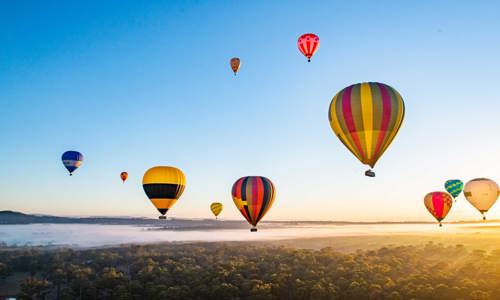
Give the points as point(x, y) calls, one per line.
point(134, 84)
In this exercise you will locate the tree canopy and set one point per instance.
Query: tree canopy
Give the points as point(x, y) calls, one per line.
point(242, 272)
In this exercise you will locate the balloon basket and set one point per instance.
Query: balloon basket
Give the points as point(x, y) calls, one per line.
point(253, 229)
point(162, 217)
point(370, 173)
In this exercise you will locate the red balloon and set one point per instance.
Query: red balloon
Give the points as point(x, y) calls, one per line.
point(308, 44)
point(438, 204)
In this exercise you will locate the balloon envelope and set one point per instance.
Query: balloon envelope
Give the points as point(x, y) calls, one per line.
point(366, 117)
point(72, 160)
point(438, 204)
point(216, 208)
point(454, 187)
point(253, 196)
point(235, 63)
point(482, 193)
point(163, 186)
point(308, 44)
point(124, 176)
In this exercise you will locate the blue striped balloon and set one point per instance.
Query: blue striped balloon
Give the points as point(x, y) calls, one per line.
point(72, 160)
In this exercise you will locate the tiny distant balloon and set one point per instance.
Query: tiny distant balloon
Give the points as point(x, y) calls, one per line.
point(308, 44)
point(235, 63)
point(366, 117)
point(124, 176)
point(216, 208)
point(253, 196)
point(454, 187)
point(72, 160)
point(482, 193)
point(163, 186)
point(438, 204)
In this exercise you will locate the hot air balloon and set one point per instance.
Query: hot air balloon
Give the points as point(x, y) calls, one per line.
point(308, 44)
point(216, 208)
point(124, 176)
point(454, 187)
point(72, 160)
point(253, 196)
point(235, 64)
point(438, 204)
point(482, 193)
point(366, 117)
point(163, 186)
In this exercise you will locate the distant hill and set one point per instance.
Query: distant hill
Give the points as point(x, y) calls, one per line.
point(8, 217)
point(13, 217)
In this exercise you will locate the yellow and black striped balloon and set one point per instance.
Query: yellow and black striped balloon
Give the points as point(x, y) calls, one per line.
point(163, 186)
point(216, 208)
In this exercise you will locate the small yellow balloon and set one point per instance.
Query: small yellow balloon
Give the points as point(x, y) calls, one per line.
point(216, 208)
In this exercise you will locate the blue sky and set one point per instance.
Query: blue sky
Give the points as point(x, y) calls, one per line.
point(135, 84)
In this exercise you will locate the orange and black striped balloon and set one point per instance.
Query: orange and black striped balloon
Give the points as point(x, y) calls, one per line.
point(253, 196)
point(366, 117)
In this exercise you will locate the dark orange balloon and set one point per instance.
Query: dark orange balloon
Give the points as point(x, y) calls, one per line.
point(235, 64)
point(124, 176)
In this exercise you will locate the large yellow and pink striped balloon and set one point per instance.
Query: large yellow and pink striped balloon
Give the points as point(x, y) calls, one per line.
point(366, 117)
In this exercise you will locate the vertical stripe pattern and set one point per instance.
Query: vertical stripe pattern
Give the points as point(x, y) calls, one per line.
point(308, 44)
point(253, 196)
point(438, 204)
point(366, 117)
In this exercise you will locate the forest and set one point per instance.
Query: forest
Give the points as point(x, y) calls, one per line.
point(215, 271)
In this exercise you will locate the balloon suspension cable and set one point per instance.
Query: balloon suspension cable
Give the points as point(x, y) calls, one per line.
point(234, 73)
